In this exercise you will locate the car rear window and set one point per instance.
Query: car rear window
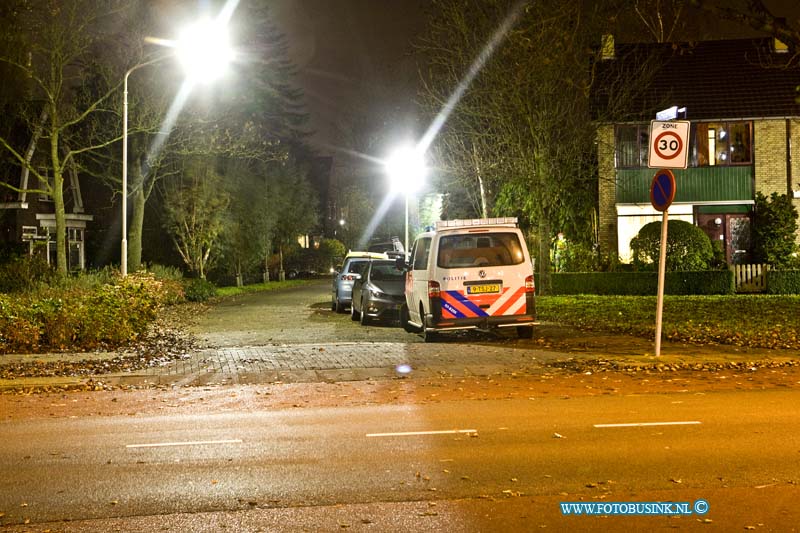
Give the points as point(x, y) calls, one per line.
point(386, 272)
point(481, 249)
point(356, 266)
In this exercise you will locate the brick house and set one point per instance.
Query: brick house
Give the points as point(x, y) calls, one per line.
point(28, 219)
point(742, 102)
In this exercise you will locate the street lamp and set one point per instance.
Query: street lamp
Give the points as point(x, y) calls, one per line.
point(406, 169)
point(205, 52)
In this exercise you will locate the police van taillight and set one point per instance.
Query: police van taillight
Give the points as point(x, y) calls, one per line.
point(530, 286)
point(434, 291)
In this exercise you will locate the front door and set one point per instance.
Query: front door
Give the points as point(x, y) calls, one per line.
point(732, 230)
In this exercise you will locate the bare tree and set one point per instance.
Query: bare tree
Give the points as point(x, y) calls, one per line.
point(756, 15)
point(662, 18)
point(58, 43)
point(195, 210)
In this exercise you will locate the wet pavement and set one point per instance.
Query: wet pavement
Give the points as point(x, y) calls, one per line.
point(292, 336)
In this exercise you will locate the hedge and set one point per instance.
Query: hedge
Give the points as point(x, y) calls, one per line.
point(783, 282)
point(642, 283)
point(83, 319)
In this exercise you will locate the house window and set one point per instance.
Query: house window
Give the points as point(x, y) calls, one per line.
point(46, 197)
point(631, 149)
point(76, 254)
point(711, 144)
point(75, 251)
point(721, 143)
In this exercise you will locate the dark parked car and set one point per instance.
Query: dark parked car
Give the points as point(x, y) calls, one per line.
point(379, 292)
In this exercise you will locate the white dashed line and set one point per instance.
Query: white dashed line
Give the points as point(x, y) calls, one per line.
point(185, 443)
point(645, 424)
point(413, 433)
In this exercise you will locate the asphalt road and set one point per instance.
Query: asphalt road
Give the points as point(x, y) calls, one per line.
point(430, 451)
point(123, 466)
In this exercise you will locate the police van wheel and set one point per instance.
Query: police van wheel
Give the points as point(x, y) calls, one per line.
point(363, 319)
point(354, 315)
point(428, 335)
point(404, 320)
point(525, 332)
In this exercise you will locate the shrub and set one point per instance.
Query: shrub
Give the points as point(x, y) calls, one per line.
point(577, 257)
point(783, 281)
point(171, 279)
point(79, 317)
point(773, 230)
point(165, 272)
point(24, 273)
point(199, 290)
point(688, 247)
point(86, 281)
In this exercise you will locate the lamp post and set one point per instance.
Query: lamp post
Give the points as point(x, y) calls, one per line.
point(204, 51)
point(406, 169)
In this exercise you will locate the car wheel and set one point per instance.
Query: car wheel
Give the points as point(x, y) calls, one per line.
point(404, 320)
point(339, 306)
point(525, 332)
point(333, 304)
point(354, 315)
point(363, 318)
point(427, 334)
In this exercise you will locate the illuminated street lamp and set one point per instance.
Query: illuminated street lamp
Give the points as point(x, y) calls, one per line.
point(205, 52)
point(407, 170)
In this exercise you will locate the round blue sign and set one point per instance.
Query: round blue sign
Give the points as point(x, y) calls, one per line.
point(662, 190)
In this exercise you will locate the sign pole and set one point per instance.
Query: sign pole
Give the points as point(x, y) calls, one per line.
point(669, 140)
point(662, 267)
point(662, 192)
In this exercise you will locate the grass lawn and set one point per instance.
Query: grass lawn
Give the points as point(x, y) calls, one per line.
point(262, 287)
point(743, 320)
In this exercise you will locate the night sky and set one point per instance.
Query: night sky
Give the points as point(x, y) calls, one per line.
point(356, 67)
point(360, 78)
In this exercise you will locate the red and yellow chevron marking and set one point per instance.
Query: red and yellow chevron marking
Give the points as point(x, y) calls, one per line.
point(457, 304)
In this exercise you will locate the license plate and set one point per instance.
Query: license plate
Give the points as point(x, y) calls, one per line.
point(488, 288)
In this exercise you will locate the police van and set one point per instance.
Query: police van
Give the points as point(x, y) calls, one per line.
point(469, 274)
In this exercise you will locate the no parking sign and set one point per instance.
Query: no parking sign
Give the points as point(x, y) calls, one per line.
point(669, 142)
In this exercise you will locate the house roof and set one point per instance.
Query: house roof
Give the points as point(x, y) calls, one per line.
point(740, 78)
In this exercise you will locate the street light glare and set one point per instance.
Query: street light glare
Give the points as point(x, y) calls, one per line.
point(407, 170)
point(204, 50)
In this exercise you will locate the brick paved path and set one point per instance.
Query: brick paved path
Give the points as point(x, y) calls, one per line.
point(344, 361)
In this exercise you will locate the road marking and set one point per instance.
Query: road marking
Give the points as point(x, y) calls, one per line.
point(412, 433)
point(643, 424)
point(185, 443)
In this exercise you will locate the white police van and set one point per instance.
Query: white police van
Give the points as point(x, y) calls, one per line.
point(470, 274)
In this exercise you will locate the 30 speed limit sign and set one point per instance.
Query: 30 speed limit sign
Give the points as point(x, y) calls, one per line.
point(669, 143)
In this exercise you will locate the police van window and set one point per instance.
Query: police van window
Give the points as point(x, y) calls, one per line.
point(421, 251)
point(488, 249)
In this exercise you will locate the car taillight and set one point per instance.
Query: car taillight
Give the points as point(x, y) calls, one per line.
point(433, 289)
point(348, 278)
point(530, 286)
